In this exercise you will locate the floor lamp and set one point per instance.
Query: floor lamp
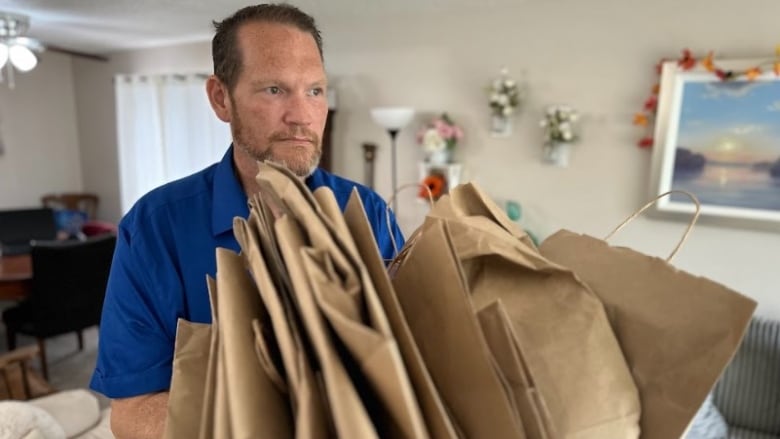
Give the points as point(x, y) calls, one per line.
point(393, 119)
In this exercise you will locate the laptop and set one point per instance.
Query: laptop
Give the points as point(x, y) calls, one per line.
point(19, 227)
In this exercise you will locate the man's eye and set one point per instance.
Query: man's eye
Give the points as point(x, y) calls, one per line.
point(317, 91)
point(274, 90)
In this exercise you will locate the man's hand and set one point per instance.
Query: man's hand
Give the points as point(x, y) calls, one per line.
point(139, 417)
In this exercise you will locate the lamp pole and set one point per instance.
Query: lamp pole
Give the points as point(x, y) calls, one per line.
point(393, 134)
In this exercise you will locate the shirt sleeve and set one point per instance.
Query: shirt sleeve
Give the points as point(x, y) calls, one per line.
point(137, 330)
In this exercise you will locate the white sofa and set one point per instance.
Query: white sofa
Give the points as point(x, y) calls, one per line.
point(71, 414)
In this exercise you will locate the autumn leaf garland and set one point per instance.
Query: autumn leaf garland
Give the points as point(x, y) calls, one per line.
point(688, 62)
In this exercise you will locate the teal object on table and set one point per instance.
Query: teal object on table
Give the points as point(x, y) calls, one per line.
point(513, 210)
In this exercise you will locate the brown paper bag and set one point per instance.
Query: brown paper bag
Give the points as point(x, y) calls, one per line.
point(678, 331)
point(222, 403)
point(206, 429)
point(569, 346)
point(350, 304)
point(507, 352)
point(436, 418)
point(257, 408)
point(190, 363)
point(193, 382)
point(350, 417)
point(311, 418)
point(371, 341)
point(436, 302)
point(468, 200)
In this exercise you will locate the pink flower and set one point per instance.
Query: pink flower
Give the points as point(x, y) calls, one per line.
point(458, 133)
point(442, 128)
point(445, 131)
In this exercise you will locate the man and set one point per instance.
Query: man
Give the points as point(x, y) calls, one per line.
point(269, 84)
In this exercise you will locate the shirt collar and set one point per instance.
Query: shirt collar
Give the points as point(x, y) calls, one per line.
point(228, 198)
point(316, 179)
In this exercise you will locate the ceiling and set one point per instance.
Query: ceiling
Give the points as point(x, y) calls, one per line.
point(102, 26)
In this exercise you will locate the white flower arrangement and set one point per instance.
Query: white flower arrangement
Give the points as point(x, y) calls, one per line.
point(432, 141)
point(441, 133)
point(558, 124)
point(504, 95)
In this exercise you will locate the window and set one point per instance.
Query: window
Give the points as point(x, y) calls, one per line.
point(166, 130)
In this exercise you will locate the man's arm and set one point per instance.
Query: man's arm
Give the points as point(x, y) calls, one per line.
point(139, 417)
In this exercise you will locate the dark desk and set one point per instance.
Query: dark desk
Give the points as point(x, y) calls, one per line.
point(15, 277)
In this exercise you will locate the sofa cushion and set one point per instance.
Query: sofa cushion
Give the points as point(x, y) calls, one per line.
point(742, 433)
point(75, 410)
point(21, 419)
point(748, 393)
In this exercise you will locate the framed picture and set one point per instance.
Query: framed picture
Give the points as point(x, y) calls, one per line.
point(720, 141)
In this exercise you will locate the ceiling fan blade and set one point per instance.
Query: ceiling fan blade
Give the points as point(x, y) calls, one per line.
point(66, 51)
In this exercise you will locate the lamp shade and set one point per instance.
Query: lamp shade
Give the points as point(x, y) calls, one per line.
point(3, 54)
point(392, 118)
point(22, 58)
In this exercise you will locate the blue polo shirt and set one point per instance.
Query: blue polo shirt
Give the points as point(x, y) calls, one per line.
point(165, 248)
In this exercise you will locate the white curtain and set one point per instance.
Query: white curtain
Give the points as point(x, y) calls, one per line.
point(166, 130)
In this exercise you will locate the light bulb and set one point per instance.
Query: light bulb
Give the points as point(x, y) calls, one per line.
point(3, 55)
point(22, 58)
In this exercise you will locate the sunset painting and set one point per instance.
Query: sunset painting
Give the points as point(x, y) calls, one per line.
point(728, 144)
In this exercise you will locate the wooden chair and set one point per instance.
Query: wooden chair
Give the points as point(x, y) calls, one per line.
point(19, 380)
point(86, 202)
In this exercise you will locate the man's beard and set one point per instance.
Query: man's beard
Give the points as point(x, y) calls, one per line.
point(303, 164)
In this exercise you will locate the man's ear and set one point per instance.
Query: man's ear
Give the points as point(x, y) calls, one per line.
point(218, 98)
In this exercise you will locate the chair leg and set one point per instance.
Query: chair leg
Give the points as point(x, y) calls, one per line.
point(44, 366)
point(80, 335)
point(10, 338)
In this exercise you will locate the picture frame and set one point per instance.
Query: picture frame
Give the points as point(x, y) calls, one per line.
point(720, 141)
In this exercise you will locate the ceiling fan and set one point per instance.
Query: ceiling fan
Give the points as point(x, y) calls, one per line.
point(18, 51)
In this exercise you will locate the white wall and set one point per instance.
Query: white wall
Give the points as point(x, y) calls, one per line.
point(38, 129)
point(597, 55)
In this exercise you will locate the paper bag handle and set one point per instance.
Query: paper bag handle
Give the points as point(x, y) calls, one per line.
point(390, 202)
point(653, 201)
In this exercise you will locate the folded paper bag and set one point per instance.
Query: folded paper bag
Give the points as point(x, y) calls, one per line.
point(347, 299)
point(437, 419)
point(257, 408)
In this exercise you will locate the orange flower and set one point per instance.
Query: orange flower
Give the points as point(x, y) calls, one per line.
point(640, 119)
point(435, 183)
point(753, 73)
point(777, 68)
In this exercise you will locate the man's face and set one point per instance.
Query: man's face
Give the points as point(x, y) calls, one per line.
point(278, 106)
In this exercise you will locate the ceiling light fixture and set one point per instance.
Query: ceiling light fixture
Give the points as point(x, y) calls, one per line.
point(16, 50)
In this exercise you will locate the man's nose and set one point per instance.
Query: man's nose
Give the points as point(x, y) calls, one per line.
point(299, 110)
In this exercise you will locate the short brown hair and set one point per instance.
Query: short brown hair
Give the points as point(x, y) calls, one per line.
point(224, 47)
